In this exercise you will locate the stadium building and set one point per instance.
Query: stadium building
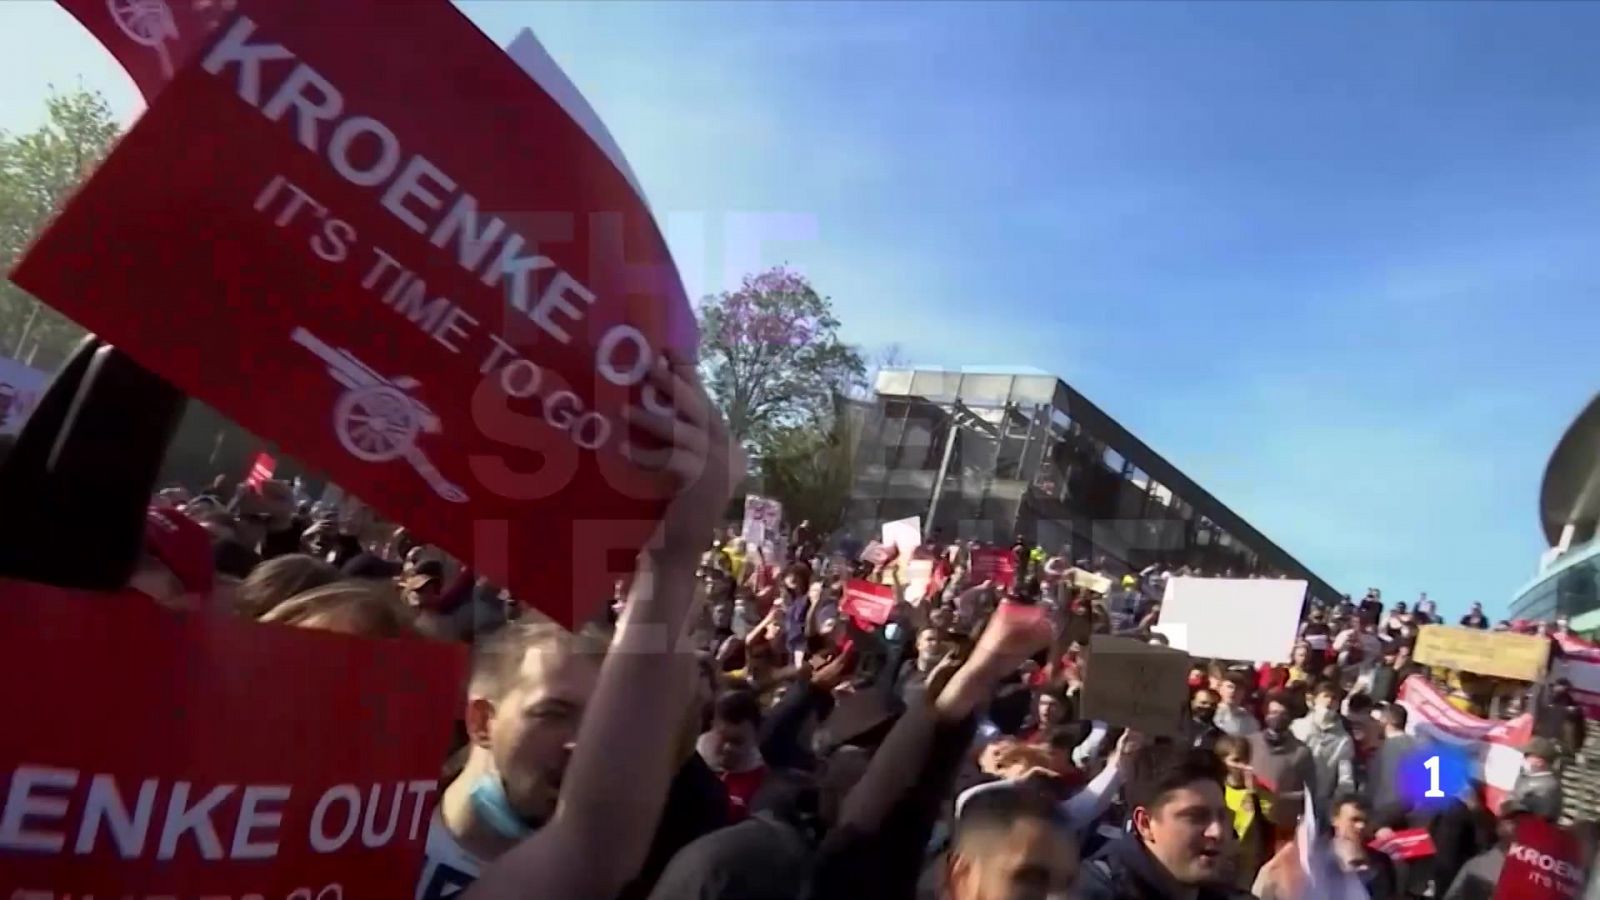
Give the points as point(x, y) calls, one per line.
point(988, 456)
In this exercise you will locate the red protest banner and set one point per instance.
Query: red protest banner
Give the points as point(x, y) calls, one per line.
point(1543, 863)
point(1413, 843)
point(995, 564)
point(361, 230)
point(867, 601)
point(154, 753)
point(260, 471)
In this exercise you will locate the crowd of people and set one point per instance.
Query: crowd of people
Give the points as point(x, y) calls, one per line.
point(787, 748)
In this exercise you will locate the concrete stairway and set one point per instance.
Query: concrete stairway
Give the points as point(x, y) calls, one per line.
point(1580, 781)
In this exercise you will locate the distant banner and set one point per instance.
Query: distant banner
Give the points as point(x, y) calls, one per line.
point(261, 469)
point(1502, 654)
point(763, 520)
point(222, 758)
point(995, 564)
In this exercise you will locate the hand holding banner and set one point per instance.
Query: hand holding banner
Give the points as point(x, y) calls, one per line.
point(1136, 685)
point(345, 247)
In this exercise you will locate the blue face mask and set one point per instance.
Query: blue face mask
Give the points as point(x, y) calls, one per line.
point(490, 802)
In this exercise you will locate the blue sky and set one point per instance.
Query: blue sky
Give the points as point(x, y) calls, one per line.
point(1338, 262)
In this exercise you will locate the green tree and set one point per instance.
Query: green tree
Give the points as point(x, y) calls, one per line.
point(772, 358)
point(810, 470)
point(38, 171)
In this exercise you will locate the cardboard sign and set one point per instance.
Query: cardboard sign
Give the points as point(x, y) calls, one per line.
point(1136, 685)
point(1499, 653)
point(362, 231)
point(995, 564)
point(867, 601)
point(1243, 619)
point(1089, 581)
point(260, 471)
point(154, 753)
point(919, 580)
point(1544, 863)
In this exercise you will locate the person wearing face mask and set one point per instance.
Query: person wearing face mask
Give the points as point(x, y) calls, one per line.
point(1323, 733)
point(1181, 837)
point(526, 693)
point(1203, 730)
point(1283, 768)
point(1538, 789)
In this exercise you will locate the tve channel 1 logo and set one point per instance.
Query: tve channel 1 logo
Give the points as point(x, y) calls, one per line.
point(1435, 773)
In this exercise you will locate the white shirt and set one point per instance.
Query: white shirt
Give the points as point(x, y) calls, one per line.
point(447, 868)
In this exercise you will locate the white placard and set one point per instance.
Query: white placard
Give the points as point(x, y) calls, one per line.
point(1245, 619)
point(905, 535)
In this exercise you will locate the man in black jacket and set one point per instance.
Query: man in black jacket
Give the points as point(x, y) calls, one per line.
point(1180, 831)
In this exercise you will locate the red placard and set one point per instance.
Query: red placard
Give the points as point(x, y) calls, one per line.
point(260, 471)
point(1543, 863)
point(362, 230)
point(1413, 843)
point(153, 753)
point(867, 601)
point(995, 564)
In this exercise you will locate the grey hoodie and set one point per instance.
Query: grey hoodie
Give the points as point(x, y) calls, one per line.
point(1333, 753)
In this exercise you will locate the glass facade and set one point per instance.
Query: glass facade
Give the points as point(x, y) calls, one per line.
point(1571, 589)
point(987, 457)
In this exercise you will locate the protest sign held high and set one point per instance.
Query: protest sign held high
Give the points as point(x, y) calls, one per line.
point(1136, 685)
point(1543, 863)
point(1233, 618)
point(1517, 656)
point(867, 602)
point(362, 229)
point(995, 564)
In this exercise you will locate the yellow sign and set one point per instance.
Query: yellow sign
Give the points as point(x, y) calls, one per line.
point(1498, 653)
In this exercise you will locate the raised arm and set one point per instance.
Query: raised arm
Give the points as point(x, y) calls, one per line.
point(645, 682)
